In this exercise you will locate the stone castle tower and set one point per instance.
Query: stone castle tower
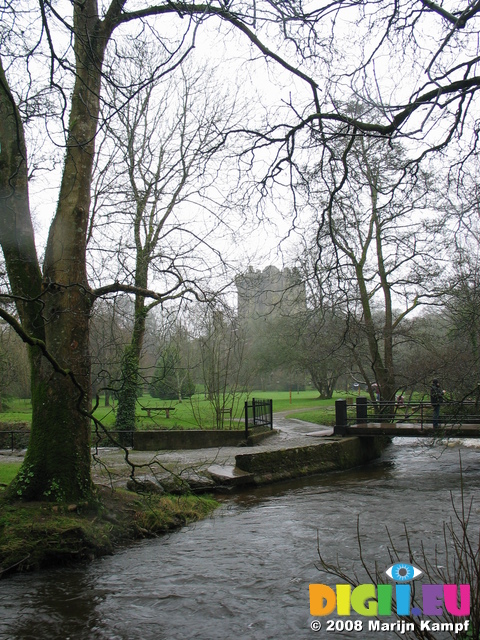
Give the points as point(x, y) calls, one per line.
point(270, 293)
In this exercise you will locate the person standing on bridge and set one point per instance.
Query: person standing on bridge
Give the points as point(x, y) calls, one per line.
point(436, 399)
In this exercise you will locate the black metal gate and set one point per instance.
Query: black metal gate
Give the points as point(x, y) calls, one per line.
point(258, 413)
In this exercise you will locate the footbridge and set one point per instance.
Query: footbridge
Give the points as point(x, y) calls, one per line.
point(406, 419)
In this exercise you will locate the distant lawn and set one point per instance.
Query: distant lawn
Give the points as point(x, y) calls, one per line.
point(8, 470)
point(16, 410)
point(324, 416)
point(197, 412)
point(200, 408)
point(192, 413)
point(282, 401)
point(325, 413)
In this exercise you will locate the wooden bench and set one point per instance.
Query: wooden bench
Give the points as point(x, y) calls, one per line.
point(166, 409)
point(224, 412)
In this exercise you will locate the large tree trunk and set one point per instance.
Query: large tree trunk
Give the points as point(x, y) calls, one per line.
point(16, 231)
point(383, 370)
point(57, 464)
point(59, 449)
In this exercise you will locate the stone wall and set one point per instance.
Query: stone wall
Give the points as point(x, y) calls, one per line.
point(191, 439)
point(332, 454)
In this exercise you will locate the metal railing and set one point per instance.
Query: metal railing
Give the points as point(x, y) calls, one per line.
point(258, 413)
point(16, 440)
point(452, 413)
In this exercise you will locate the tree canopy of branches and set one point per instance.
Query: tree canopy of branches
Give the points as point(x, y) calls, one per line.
point(412, 66)
point(376, 247)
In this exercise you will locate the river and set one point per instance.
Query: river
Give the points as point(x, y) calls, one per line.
point(244, 572)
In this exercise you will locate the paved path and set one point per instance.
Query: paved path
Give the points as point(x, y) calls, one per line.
point(109, 464)
point(291, 433)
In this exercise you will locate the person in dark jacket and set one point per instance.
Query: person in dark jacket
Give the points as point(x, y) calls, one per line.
point(436, 399)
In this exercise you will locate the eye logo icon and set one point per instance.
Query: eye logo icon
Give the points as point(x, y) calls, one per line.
point(402, 572)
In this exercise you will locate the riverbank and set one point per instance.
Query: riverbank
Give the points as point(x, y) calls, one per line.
point(39, 535)
point(165, 488)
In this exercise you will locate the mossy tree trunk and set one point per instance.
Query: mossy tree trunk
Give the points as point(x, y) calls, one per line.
point(54, 309)
point(54, 306)
point(130, 378)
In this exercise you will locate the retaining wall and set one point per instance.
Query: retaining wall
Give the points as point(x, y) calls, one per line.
point(331, 454)
point(193, 439)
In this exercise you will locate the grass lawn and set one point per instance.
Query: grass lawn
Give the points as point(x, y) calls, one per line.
point(192, 413)
point(8, 470)
point(283, 401)
point(325, 415)
point(16, 410)
point(324, 412)
point(197, 412)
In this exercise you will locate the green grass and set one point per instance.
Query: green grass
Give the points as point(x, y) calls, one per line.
point(187, 414)
point(8, 470)
point(324, 413)
point(195, 412)
point(184, 415)
point(17, 410)
point(323, 416)
point(283, 401)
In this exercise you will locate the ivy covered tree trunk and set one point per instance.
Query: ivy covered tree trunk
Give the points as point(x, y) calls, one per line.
point(130, 379)
point(127, 394)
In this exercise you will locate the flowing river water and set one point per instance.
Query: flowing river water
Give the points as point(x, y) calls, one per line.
point(244, 572)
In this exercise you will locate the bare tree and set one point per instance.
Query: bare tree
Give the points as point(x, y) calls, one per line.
point(222, 352)
point(109, 331)
point(153, 173)
point(410, 83)
point(372, 240)
point(324, 353)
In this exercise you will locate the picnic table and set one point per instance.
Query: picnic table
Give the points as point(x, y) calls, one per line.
point(166, 409)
